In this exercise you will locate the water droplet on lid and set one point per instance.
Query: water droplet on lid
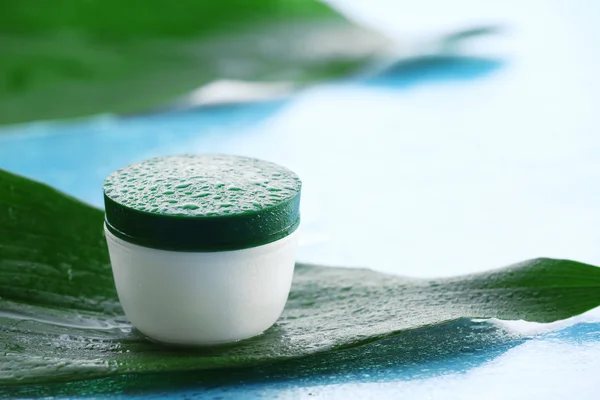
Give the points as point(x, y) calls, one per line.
point(168, 192)
point(190, 206)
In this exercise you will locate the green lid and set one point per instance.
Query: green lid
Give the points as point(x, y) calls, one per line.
point(202, 202)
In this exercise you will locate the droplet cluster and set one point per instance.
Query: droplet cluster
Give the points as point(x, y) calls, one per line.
point(202, 185)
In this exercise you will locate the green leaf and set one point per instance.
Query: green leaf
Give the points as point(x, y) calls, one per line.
point(410, 354)
point(69, 58)
point(60, 318)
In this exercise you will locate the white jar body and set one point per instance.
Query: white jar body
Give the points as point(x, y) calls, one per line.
point(202, 298)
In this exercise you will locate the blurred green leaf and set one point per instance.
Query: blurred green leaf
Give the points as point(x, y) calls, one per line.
point(69, 58)
point(60, 318)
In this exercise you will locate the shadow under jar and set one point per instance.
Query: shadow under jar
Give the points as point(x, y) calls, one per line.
point(202, 246)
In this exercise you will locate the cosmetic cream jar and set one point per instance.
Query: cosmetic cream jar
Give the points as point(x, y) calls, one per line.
point(202, 246)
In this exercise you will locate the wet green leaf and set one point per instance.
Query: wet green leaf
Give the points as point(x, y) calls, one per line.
point(69, 58)
point(60, 318)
